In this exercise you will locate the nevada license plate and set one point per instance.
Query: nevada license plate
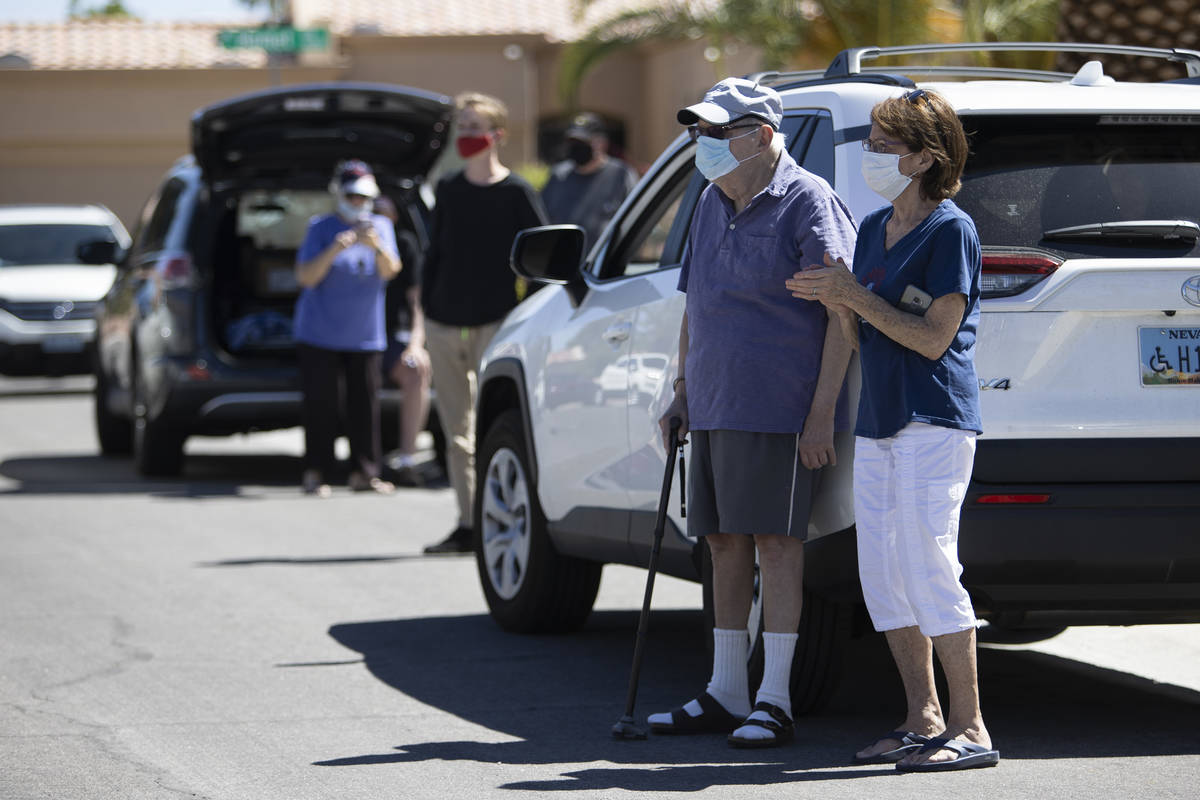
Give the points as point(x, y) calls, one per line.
point(1169, 356)
point(68, 343)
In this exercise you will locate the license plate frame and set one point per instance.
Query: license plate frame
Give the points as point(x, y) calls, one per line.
point(1169, 356)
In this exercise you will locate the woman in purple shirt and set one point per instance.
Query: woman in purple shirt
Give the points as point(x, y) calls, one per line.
point(343, 266)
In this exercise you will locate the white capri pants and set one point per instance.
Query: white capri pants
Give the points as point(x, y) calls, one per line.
point(908, 492)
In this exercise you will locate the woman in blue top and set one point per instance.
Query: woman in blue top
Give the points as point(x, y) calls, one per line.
point(912, 304)
point(343, 266)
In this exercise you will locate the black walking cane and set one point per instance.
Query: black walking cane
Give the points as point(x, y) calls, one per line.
point(625, 727)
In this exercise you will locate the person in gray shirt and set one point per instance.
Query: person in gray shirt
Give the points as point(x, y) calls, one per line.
point(759, 393)
point(587, 188)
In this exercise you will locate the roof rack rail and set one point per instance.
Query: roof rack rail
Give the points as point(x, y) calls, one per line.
point(849, 62)
point(815, 77)
point(902, 75)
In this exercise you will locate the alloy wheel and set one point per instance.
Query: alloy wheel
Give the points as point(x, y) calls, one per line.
point(504, 523)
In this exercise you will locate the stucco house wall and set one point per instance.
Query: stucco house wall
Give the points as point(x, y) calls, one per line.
point(96, 112)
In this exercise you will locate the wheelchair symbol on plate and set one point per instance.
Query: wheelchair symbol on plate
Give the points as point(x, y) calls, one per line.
point(1158, 362)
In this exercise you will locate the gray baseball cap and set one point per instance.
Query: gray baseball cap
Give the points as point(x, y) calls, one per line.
point(733, 98)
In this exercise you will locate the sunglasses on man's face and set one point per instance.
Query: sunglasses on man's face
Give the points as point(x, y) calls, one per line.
point(719, 131)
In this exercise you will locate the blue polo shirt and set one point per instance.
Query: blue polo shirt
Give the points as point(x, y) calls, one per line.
point(344, 311)
point(940, 256)
point(754, 351)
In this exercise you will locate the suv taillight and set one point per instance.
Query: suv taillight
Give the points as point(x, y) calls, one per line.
point(174, 271)
point(1013, 270)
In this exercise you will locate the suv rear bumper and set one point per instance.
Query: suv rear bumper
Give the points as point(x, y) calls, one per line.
point(1099, 552)
point(225, 399)
point(1104, 554)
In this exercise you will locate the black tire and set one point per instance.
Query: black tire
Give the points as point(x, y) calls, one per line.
point(157, 450)
point(115, 433)
point(529, 587)
point(825, 629)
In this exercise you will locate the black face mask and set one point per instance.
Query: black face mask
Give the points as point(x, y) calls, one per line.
point(578, 151)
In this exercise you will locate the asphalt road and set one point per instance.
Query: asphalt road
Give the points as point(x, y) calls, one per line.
point(220, 636)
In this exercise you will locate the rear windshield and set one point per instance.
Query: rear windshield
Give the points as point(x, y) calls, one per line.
point(1029, 175)
point(46, 244)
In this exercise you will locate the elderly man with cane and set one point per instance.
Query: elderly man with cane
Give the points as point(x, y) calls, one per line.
point(758, 392)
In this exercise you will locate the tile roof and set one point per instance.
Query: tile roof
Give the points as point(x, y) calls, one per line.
point(137, 44)
point(555, 19)
point(121, 44)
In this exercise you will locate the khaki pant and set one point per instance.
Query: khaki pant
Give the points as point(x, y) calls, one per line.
point(454, 354)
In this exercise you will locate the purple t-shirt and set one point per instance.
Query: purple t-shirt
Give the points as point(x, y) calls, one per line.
point(754, 351)
point(345, 310)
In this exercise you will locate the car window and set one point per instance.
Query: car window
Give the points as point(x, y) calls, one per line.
point(157, 217)
point(810, 141)
point(654, 362)
point(47, 244)
point(1026, 177)
point(644, 239)
point(648, 249)
point(818, 158)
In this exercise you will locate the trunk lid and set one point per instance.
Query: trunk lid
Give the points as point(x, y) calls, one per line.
point(306, 129)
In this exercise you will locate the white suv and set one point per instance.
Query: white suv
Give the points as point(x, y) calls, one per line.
point(56, 262)
point(1086, 492)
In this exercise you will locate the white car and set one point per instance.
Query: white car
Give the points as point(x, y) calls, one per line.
point(632, 377)
point(1085, 497)
point(56, 263)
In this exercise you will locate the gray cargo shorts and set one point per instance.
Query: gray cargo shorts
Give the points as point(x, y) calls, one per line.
point(748, 483)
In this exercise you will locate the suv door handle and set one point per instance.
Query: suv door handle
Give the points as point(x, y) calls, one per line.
point(617, 332)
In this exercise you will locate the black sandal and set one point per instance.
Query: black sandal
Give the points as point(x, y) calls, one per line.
point(780, 726)
point(713, 718)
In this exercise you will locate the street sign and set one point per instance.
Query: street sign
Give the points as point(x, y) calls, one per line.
point(274, 40)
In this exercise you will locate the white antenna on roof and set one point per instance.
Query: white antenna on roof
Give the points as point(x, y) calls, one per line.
point(1091, 74)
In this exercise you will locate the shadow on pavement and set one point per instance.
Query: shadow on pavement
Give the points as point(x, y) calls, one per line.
point(559, 697)
point(203, 475)
point(312, 562)
point(27, 386)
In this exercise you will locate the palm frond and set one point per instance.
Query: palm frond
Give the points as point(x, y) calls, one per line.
point(885, 22)
point(1010, 20)
point(625, 30)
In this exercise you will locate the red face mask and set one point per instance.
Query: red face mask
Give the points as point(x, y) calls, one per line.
point(470, 145)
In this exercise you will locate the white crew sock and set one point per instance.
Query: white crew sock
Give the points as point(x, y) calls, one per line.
point(778, 649)
point(729, 685)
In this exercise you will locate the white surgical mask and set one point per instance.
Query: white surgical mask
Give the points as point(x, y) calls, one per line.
point(882, 173)
point(352, 213)
point(714, 159)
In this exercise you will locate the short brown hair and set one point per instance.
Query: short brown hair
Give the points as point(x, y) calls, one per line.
point(923, 120)
point(492, 109)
